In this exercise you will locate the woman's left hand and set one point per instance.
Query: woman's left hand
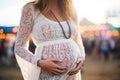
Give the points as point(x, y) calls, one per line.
point(76, 70)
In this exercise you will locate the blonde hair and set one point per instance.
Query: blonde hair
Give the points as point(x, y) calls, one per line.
point(66, 7)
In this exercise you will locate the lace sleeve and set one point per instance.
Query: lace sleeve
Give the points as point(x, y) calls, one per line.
point(26, 23)
point(78, 39)
point(81, 46)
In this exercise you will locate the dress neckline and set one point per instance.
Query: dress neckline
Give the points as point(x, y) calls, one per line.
point(51, 20)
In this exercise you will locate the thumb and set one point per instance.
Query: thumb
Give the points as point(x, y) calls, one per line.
point(55, 60)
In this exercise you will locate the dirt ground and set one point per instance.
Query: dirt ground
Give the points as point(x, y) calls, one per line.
point(101, 70)
point(94, 69)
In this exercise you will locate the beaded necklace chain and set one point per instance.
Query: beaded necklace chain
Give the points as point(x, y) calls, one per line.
point(62, 26)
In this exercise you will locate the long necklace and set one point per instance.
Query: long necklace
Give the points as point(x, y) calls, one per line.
point(62, 26)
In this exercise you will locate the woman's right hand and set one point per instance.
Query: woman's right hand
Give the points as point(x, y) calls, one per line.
point(51, 66)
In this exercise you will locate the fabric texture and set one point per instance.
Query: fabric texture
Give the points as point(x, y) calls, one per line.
point(50, 43)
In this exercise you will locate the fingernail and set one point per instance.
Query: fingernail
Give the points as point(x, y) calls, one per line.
point(78, 60)
point(60, 60)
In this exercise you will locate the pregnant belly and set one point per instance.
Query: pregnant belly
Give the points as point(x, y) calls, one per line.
point(66, 52)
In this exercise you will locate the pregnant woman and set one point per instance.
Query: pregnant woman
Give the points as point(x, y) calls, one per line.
point(59, 53)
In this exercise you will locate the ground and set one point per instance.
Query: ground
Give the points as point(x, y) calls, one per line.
point(93, 69)
point(101, 70)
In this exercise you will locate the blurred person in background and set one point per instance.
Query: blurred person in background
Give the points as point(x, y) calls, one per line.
point(9, 52)
point(112, 47)
point(0, 51)
point(117, 48)
point(105, 49)
point(59, 53)
point(96, 52)
point(3, 51)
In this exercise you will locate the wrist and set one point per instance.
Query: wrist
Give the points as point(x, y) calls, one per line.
point(38, 63)
point(79, 60)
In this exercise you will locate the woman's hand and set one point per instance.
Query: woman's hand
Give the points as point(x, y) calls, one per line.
point(76, 70)
point(51, 66)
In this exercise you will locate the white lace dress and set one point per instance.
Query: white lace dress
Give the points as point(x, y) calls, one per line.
point(50, 43)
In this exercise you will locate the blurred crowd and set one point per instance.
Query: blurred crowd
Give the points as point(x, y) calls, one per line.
point(7, 55)
point(7, 52)
point(101, 48)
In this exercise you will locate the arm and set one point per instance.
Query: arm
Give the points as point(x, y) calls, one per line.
point(79, 42)
point(26, 24)
point(78, 38)
point(81, 57)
